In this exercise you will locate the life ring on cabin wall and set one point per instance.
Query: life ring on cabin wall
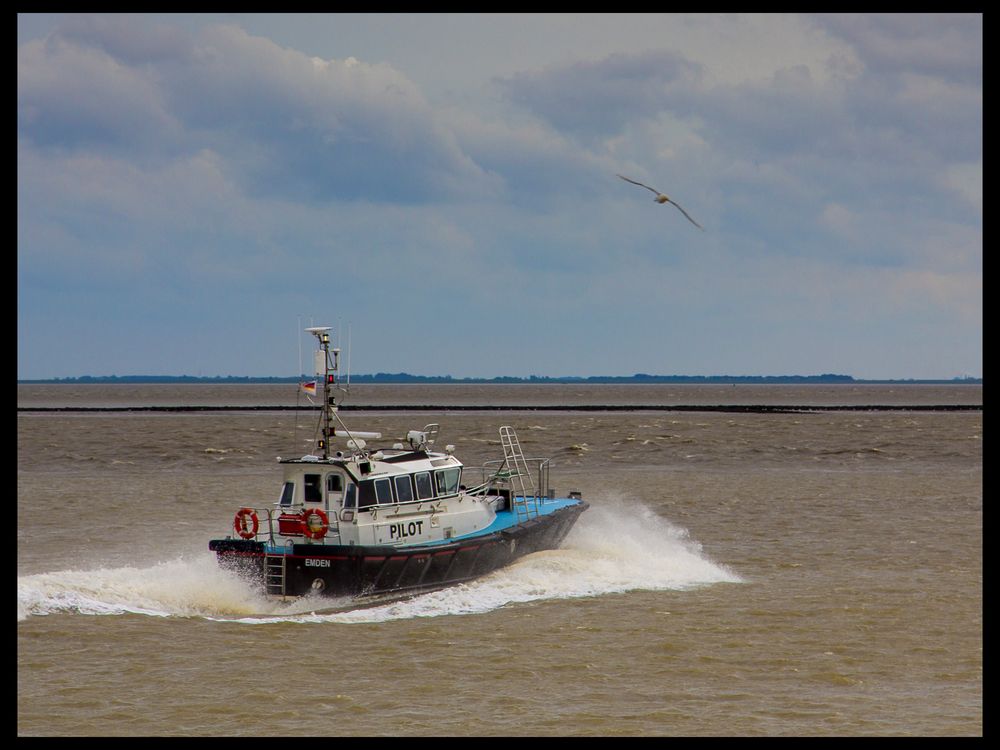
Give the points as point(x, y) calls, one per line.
point(307, 527)
point(240, 523)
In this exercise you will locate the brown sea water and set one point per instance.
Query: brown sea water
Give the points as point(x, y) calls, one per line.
point(815, 573)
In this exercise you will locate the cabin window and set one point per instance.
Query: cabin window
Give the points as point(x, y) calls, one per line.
point(366, 495)
point(404, 490)
point(447, 481)
point(374, 492)
point(351, 495)
point(425, 490)
point(313, 487)
point(287, 494)
point(334, 483)
point(383, 491)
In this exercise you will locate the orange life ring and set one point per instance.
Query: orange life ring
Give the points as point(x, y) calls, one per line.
point(240, 523)
point(324, 523)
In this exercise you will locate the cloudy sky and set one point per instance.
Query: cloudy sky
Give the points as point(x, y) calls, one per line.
point(193, 188)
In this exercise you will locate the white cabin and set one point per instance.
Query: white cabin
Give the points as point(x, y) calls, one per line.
point(388, 498)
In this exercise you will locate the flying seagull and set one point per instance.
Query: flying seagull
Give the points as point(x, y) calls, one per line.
point(661, 198)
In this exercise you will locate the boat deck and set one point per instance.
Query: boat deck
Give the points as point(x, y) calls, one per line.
point(507, 518)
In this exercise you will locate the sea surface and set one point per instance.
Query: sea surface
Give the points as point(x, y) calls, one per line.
point(810, 573)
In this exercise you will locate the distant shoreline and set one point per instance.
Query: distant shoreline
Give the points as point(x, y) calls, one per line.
point(405, 378)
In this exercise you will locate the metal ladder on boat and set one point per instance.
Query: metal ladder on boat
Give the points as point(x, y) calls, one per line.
point(274, 574)
point(523, 500)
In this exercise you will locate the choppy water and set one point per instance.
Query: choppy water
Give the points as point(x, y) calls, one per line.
point(737, 574)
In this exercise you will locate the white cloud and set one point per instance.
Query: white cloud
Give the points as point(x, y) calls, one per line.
point(70, 96)
point(598, 98)
point(967, 180)
point(939, 44)
point(283, 124)
point(840, 220)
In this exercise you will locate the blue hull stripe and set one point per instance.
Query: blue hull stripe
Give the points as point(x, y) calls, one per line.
point(505, 519)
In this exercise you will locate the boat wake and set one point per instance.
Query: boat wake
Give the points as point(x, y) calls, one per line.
point(184, 587)
point(617, 545)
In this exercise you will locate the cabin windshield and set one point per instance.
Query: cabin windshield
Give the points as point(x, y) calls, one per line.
point(425, 490)
point(403, 488)
point(287, 493)
point(447, 481)
point(383, 491)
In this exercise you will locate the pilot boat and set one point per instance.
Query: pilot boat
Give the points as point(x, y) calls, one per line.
point(363, 520)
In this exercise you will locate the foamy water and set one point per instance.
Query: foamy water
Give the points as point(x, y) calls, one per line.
point(178, 588)
point(617, 546)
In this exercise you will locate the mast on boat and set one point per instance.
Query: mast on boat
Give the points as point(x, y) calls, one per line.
point(327, 361)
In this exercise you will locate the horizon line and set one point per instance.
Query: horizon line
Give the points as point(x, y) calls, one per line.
point(403, 377)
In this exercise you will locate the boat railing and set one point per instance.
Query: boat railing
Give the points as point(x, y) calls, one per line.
point(498, 474)
point(269, 524)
